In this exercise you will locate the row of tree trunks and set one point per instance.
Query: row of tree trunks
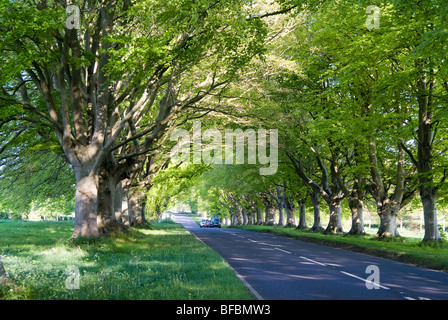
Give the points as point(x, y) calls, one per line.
point(116, 208)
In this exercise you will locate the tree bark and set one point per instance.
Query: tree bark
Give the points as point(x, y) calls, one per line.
point(315, 199)
point(137, 203)
point(387, 206)
point(239, 215)
point(427, 189)
point(125, 217)
point(334, 200)
point(260, 218)
point(332, 195)
point(105, 203)
point(334, 224)
point(302, 216)
point(269, 214)
point(244, 216)
point(281, 207)
point(388, 220)
point(356, 208)
point(118, 200)
point(429, 199)
point(86, 203)
point(290, 212)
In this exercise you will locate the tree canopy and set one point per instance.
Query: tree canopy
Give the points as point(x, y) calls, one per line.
point(92, 93)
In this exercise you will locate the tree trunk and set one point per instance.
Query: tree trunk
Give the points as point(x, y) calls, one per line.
point(106, 219)
point(244, 216)
point(428, 198)
point(281, 206)
point(388, 221)
point(315, 199)
point(105, 203)
point(335, 224)
point(86, 204)
point(239, 216)
point(281, 215)
point(137, 203)
point(269, 214)
point(426, 132)
point(302, 216)
point(118, 201)
point(290, 212)
point(233, 219)
point(356, 208)
point(125, 218)
point(387, 206)
point(260, 218)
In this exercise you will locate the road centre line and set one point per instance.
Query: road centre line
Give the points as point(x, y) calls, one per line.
point(264, 243)
point(419, 298)
point(313, 261)
point(359, 278)
point(283, 250)
point(272, 245)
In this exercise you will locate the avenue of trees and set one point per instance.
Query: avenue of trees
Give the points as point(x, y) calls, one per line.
point(358, 94)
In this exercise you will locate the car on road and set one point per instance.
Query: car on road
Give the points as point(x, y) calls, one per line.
point(215, 223)
point(204, 223)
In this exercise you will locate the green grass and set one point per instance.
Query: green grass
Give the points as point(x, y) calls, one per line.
point(164, 262)
point(405, 249)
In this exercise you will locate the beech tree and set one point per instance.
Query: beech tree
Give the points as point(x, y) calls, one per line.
point(360, 109)
point(114, 85)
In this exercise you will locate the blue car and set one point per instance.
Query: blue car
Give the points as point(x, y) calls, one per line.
point(215, 223)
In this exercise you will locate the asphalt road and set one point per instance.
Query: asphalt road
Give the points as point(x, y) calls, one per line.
point(279, 268)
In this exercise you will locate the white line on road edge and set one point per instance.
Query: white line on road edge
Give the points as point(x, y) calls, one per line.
point(313, 261)
point(283, 250)
point(359, 278)
point(248, 286)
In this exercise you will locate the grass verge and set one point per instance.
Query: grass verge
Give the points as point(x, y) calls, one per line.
point(164, 262)
point(404, 249)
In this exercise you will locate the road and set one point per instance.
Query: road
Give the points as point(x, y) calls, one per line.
point(279, 268)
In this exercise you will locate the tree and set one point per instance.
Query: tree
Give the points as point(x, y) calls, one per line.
point(121, 77)
point(427, 82)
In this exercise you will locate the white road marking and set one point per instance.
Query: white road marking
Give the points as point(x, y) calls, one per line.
point(272, 245)
point(419, 298)
point(356, 277)
point(283, 250)
point(313, 261)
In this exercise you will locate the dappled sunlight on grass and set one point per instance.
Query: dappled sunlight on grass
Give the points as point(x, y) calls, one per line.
point(163, 262)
